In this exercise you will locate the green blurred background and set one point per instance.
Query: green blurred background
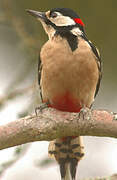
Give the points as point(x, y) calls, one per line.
point(21, 38)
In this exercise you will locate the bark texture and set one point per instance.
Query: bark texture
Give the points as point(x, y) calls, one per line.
point(50, 124)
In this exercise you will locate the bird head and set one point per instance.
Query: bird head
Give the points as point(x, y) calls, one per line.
point(59, 20)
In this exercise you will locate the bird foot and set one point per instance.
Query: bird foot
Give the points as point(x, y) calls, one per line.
point(41, 107)
point(82, 113)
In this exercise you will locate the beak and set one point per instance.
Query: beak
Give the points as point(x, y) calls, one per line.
point(40, 15)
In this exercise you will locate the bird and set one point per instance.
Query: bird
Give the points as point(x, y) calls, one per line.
point(69, 75)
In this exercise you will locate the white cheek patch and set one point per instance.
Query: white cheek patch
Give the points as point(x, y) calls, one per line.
point(63, 21)
point(76, 31)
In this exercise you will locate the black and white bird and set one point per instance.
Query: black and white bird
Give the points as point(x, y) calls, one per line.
point(69, 77)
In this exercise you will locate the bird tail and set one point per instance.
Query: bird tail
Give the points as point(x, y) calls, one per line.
point(67, 151)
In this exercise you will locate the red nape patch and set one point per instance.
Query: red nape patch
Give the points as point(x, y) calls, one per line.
point(79, 21)
point(66, 103)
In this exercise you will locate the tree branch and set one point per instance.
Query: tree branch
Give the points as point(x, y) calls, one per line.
point(51, 124)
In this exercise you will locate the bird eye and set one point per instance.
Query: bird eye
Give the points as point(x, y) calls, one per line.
point(53, 15)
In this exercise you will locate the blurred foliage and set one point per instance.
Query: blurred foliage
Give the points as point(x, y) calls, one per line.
point(45, 162)
point(114, 177)
point(18, 153)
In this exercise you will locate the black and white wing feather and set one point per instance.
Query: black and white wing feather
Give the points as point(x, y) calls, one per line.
point(39, 76)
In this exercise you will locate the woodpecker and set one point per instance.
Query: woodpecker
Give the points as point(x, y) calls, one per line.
point(69, 77)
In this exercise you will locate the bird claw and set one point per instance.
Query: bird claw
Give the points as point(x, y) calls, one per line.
point(82, 113)
point(41, 107)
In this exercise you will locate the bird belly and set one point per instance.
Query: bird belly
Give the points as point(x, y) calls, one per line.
point(65, 102)
point(67, 91)
point(68, 79)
